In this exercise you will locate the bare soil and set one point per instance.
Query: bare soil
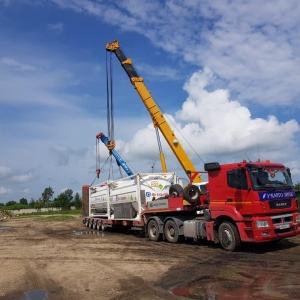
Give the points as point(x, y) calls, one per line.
point(65, 260)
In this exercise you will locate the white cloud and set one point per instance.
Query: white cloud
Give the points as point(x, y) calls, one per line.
point(64, 153)
point(5, 191)
point(213, 124)
point(10, 62)
point(5, 171)
point(250, 46)
point(58, 27)
point(22, 178)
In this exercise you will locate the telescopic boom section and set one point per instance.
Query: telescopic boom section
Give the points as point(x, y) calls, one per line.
point(110, 145)
point(157, 117)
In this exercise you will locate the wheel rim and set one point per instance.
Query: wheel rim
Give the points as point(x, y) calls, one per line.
point(226, 238)
point(153, 230)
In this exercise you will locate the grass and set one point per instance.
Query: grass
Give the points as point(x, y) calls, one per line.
point(52, 216)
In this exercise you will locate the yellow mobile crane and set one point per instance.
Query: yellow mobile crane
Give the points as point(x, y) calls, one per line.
point(158, 119)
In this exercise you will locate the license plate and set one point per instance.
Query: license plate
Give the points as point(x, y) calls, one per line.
point(284, 226)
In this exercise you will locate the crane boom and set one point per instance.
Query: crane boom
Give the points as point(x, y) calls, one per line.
point(111, 147)
point(158, 119)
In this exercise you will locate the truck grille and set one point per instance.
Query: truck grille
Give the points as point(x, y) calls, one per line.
point(282, 223)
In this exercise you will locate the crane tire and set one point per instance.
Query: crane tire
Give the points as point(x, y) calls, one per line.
point(176, 190)
point(191, 194)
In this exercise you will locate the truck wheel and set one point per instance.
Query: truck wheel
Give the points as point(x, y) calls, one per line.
point(91, 224)
point(153, 231)
point(191, 193)
point(176, 190)
point(171, 231)
point(95, 225)
point(102, 226)
point(87, 223)
point(98, 226)
point(229, 236)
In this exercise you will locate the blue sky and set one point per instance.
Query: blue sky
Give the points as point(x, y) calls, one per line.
point(225, 73)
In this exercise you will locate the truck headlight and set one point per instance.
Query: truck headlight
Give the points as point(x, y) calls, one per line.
point(262, 224)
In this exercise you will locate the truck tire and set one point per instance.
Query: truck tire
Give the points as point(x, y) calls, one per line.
point(191, 194)
point(99, 226)
point(102, 226)
point(176, 190)
point(229, 236)
point(171, 231)
point(91, 224)
point(95, 225)
point(87, 223)
point(153, 231)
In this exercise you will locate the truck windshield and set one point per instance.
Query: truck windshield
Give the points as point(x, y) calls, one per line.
point(270, 178)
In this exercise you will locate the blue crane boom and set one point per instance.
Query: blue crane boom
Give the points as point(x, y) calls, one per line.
point(110, 145)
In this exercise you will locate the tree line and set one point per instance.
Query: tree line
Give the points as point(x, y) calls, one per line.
point(64, 200)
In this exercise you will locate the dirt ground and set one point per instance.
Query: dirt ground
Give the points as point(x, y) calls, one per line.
point(65, 260)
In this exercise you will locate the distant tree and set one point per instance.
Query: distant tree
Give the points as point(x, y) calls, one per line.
point(10, 203)
point(77, 201)
point(47, 196)
point(2, 204)
point(23, 201)
point(297, 186)
point(64, 199)
point(32, 203)
point(38, 204)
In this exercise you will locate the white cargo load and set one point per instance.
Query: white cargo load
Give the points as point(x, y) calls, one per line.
point(126, 198)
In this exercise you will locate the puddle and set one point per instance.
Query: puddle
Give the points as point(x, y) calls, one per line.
point(87, 232)
point(6, 228)
point(35, 295)
point(241, 287)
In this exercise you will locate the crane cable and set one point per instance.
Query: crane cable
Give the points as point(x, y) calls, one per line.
point(109, 104)
point(109, 97)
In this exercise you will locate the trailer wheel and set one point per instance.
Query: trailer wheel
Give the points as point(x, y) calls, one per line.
point(95, 225)
point(176, 190)
point(191, 193)
point(98, 226)
point(102, 226)
point(87, 223)
point(91, 224)
point(153, 231)
point(229, 236)
point(171, 231)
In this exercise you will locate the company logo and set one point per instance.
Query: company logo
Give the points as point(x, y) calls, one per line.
point(276, 195)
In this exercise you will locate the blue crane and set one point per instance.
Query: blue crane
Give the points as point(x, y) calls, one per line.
point(110, 145)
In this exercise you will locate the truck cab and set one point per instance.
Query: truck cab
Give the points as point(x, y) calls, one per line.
point(258, 198)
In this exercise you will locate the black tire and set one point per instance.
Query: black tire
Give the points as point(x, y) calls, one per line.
point(99, 226)
point(191, 194)
point(102, 226)
point(176, 190)
point(153, 231)
point(229, 237)
point(91, 224)
point(171, 231)
point(87, 223)
point(95, 225)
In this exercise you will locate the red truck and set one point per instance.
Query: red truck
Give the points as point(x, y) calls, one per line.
point(244, 202)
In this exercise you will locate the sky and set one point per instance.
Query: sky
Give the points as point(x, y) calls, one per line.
point(224, 73)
